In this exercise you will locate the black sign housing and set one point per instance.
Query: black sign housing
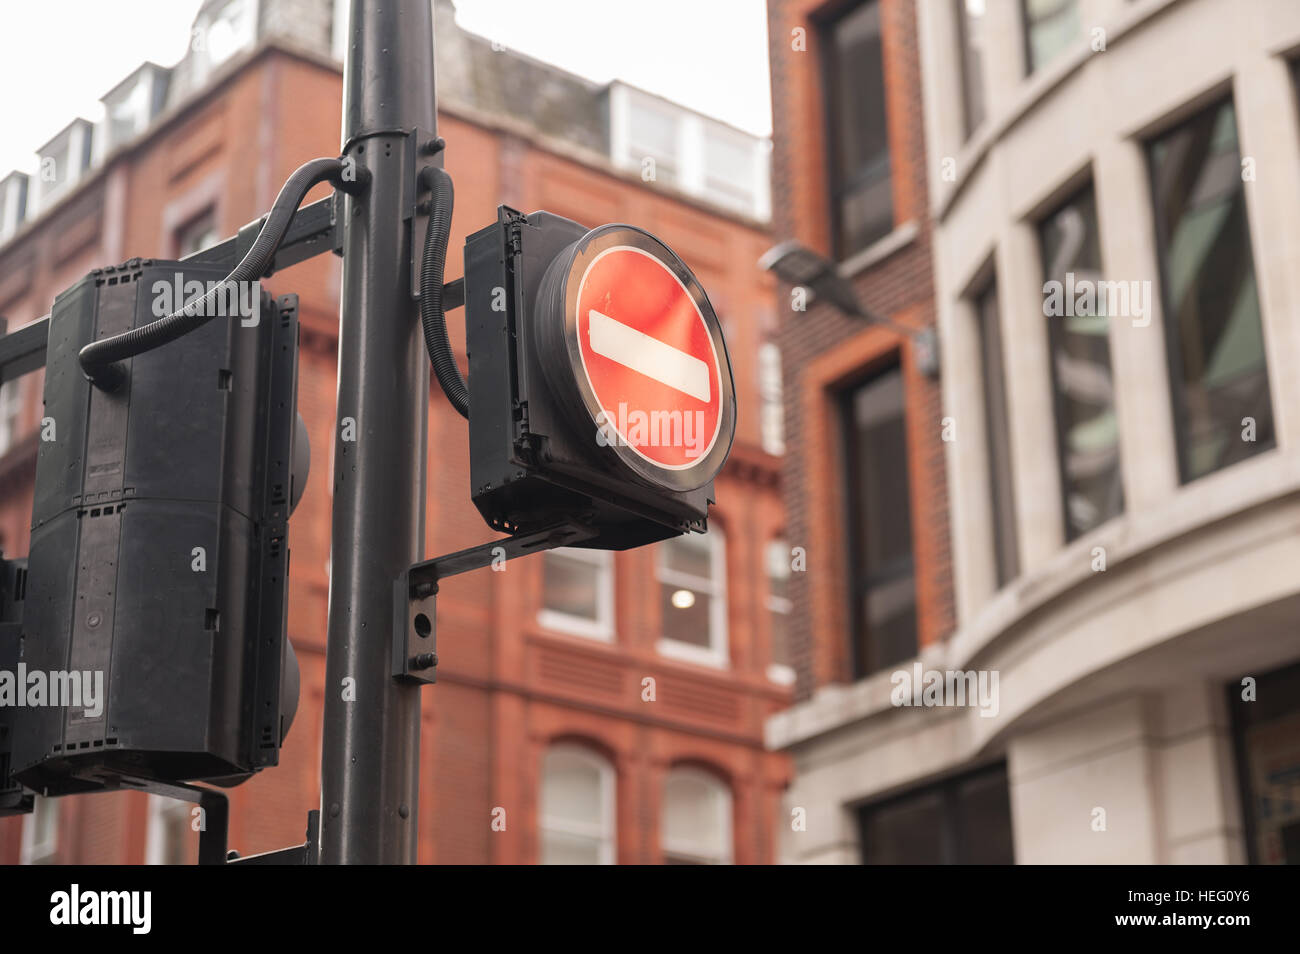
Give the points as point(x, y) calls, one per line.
point(533, 463)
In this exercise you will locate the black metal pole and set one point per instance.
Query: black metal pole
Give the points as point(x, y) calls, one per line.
point(370, 758)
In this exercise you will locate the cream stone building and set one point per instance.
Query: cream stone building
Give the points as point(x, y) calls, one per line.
point(1115, 194)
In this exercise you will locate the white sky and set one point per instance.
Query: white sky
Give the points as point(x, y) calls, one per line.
point(57, 57)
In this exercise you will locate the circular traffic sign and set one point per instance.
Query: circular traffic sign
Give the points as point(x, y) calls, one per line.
point(632, 346)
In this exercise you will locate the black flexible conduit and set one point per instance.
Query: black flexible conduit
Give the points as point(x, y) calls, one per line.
point(432, 263)
point(98, 358)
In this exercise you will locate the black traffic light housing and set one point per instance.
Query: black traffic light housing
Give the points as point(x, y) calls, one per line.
point(14, 800)
point(534, 457)
point(159, 553)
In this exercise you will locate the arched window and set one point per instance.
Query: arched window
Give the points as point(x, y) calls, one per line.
point(696, 826)
point(577, 807)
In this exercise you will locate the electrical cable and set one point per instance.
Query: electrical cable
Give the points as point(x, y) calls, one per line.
point(99, 358)
point(432, 265)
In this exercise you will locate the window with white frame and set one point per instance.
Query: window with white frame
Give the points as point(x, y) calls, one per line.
point(777, 562)
point(129, 108)
point(668, 144)
point(197, 234)
point(13, 203)
point(41, 832)
point(63, 161)
point(126, 116)
point(971, 22)
point(696, 826)
point(170, 829)
point(339, 32)
point(771, 396)
point(578, 592)
point(653, 134)
point(577, 807)
point(223, 32)
point(11, 404)
point(692, 597)
point(54, 172)
point(1050, 27)
point(729, 174)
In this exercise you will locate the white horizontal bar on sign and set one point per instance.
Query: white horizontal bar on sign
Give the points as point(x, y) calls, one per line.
point(649, 356)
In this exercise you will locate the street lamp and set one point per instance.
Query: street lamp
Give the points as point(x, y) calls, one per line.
point(797, 264)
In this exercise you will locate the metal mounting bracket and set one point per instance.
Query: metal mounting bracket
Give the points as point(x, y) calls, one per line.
point(415, 647)
point(214, 821)
point(307, 853)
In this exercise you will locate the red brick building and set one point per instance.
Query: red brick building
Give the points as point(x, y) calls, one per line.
point(584, 714)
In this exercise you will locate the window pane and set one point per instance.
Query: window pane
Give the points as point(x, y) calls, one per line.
point(128, 115)
point(970, 21)
point(1052, 25)
point(777, 558)
point(729, 171)
point(984, 828)
point(1087, 426)
point(856, 107)
point(653, 134)
point(1268, 752)
point(866, 210)
point(1212, 320)
point(230, 31)
point(571, 790)
point(577, 807)
point(696, 818)
point(964, 820)
point(889, 608)
point(570, 585)
point(198, 235)
point(41, 832)
point(685, 614)
point(173, 831)
point(10, 408)
point(781, 653)
point(998, 432)
point(690, 578)
point(884, 527)
point(882, 571)
point(691, 553)
point(771, 394)
point(906, 832)
point(560, 848)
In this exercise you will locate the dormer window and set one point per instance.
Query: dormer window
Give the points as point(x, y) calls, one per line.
point(221, 31)
point(13, 203)
point(667, 144)
point(63, 161)
point(130, 107)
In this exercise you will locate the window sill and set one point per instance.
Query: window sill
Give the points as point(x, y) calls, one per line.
point(575, 626)
point(781, 675)
point(882, 248)
point(688, 652)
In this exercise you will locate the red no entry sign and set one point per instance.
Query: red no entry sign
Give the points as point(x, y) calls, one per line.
point(647, 358)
